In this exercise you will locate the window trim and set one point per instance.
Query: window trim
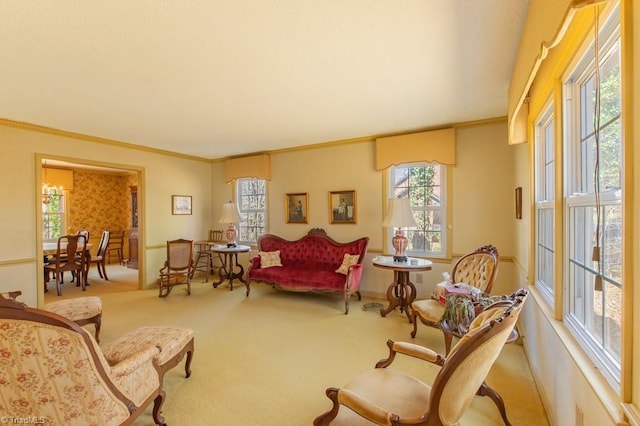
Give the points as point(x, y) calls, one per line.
point(541, 124)
point(447, 213)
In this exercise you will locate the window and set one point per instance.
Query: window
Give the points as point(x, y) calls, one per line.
point(545, 187)
point(53, 213)
point(252, 203)
point(593, 200)
point(424, 185)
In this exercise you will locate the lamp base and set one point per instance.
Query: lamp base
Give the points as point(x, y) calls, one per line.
point(231, 235)
point(400, 242)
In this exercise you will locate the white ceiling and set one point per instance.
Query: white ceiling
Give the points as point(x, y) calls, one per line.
point(217, 78)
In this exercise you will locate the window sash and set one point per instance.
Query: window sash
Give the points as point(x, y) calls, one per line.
point(593, 291)
point(53, 214)
point(252, 204)
point(427, 192)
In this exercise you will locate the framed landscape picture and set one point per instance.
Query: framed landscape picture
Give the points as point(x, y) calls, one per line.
point(181, 204)
point(296, 207)
point(342, 207)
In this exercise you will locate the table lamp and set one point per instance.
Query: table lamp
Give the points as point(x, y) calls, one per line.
point(230, 215)
point(399, 215)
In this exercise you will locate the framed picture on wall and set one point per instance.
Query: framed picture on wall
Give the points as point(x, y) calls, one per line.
point(342, 206)
point(297, 207)
point(181, 204)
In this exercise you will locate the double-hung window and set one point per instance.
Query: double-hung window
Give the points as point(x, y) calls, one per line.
point(544, 207)
point(53, 213)
point(424, 185)
point(252, 204)
point(593, 201)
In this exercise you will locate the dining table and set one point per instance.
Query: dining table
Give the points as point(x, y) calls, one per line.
point(50, 248)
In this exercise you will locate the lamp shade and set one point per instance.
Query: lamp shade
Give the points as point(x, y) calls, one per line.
point(230, 213)
point(399, 214)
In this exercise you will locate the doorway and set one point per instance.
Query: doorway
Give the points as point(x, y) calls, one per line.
point(96, 200)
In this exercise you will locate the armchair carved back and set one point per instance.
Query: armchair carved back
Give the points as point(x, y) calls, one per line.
point(478, 268)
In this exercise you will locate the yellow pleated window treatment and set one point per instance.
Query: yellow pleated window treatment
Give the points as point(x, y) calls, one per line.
point(546, 24)
point(432, 146)
point(254, 166)
point(58, 177)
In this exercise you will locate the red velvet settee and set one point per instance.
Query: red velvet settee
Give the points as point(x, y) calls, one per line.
point(310, 263)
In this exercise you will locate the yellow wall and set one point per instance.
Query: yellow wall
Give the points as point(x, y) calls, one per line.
point(482, 198)
point(162, 175)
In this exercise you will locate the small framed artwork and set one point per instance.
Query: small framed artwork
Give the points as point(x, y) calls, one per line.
point(297, 207)
point(519, 202)
point(342, 207)
point(181, 204)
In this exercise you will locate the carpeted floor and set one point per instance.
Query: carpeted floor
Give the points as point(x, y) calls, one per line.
point(267, 359)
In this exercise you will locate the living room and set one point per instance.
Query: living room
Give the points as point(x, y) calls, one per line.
point(486, 172)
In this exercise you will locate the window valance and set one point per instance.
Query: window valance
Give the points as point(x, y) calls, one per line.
point(58, 177)
point(433, 146)
point(546, 24)
point(255, 166)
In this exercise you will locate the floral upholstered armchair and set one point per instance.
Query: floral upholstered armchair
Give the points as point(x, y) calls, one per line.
point(52, 369)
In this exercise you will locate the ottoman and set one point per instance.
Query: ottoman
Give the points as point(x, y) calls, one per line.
point(81, 310)
point(173, 342)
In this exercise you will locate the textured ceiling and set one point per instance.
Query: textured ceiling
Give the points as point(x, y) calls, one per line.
point(215, 78)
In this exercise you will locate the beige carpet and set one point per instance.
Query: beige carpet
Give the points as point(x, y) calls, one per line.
point(267, 359)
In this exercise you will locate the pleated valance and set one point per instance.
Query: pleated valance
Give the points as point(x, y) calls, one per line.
point(254, 166)
point(546, 24)
point(58, 177)
point(433, 146)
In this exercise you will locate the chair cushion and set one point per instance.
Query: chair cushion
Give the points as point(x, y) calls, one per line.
point(169, 339)
point(390, 389)
point(76, 309)
point(429, 309)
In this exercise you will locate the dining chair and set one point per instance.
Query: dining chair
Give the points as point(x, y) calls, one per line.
point(116, 244)
point(99, 258)
point(66, 260)
point(84, 233)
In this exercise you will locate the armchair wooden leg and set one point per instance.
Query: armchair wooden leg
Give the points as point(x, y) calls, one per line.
point(414, 320)
point(325, 419)
point(157, 409)
point(447, 341)
point(485, 390)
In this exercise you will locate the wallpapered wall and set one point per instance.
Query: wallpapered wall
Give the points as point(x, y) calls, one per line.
point(100, 202)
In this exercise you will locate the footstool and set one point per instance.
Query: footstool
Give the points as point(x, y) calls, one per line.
point(173, 342)
point(81, 310)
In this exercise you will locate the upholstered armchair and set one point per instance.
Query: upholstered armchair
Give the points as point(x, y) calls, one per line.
point(387, 396)
point(474, 274)
point(53, 368)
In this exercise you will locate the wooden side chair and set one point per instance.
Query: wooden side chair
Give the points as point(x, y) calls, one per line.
point(116, 244)
point(66, 260)
point(388, 396)
point(208, 261)
point(100, 257)
point(178, 268)
point(475, 272)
